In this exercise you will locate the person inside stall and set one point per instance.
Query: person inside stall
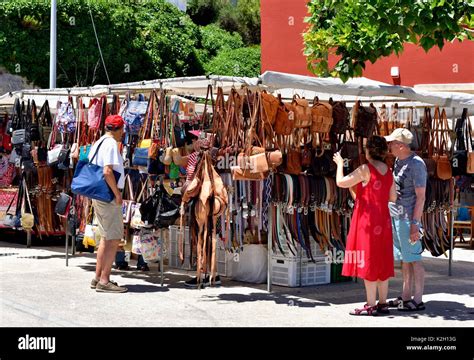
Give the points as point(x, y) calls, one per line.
point(109, 215)
point(369, 247)
point(190, 161)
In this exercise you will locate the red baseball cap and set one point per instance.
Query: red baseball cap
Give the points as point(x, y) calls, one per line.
point(115, 121)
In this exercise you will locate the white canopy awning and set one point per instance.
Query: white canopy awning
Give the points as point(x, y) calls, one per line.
point(362, 88)
point(287, 84)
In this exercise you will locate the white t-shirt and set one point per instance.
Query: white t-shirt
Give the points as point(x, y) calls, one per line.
point(109, 155)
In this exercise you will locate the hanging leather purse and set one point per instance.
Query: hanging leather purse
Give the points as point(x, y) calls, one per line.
point(284, 119)
point(443, 165)
point(63, 205)
point(270, 107)
point(459, 159)
point(303, 117)
point(427, 144)
point(470, 154)
point(321, 114)
point(340, 115)
point(366, 120)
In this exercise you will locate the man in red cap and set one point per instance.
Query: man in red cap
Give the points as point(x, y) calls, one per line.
point(109, 215)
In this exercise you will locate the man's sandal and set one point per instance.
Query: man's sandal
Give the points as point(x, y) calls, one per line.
point(365, 311)
point(411, 305)
point(383, 309)
point(395, 303)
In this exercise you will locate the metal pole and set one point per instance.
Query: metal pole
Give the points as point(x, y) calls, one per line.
point(52, 46)
point(28, 238)
point(451, 227)
point(67, 248)
point(269, 249)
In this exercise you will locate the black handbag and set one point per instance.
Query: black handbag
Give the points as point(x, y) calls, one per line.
point(166, 219)
point(366, 120)
point(63, 205)
point(179, 136)
point(459, 158)
point(323, 164)
point(63, 158)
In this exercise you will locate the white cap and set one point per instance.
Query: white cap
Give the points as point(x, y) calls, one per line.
point(401, 134)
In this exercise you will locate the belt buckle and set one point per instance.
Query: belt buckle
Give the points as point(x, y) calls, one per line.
point(290, 210)
point(305, 210)
point(300, 209)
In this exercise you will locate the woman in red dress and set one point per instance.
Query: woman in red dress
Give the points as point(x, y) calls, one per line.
point(369, 246)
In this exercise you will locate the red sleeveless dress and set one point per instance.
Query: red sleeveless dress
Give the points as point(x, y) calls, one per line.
point(369, 246)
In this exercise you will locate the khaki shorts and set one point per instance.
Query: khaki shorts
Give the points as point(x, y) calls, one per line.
point(110, 219)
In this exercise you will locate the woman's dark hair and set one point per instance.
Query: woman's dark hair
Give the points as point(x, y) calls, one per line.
point(377, 147)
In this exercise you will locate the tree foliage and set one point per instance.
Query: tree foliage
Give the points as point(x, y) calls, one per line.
point(204, 12)
point(215, 39)
point(236, 62)
point(366, 30)
point(242, 16)
point(139, 41)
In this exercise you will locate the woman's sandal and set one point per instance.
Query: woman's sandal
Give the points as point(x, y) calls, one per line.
point(365, 311)
point(395, 303)
point(411, 305)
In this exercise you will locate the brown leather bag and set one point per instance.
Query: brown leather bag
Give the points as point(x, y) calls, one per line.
point(293, 162)
point(340, 115)
point(470, 154)
point(321, 114)
point(284, 119)
point(270, 107)
point(444, 170)
point(303, 117)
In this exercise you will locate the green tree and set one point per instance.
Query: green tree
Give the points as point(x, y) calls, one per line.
point(139, 41)
point(214, 39)
point(236, 62)
point(204, 12)
point(366, 30)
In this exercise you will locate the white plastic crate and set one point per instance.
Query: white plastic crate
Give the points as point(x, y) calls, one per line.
point(300, 252)
point(173, 253)
point(300, 272)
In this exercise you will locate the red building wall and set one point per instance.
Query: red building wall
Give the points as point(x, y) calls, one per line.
point(282, 50)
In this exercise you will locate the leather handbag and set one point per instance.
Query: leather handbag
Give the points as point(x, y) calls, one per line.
point(340, 115)
point(63, 205)
point(302, 111)
point(443, 165)
point(460, 154)
point(270, 107)
point(366, 120)
point(322, 119)
point(284, 119)
point(470, 154)
point(293, 162)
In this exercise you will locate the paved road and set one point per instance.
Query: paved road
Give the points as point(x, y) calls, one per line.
point(37, 289)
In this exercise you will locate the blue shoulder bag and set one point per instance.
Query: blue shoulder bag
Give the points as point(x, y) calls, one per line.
point(89, 180)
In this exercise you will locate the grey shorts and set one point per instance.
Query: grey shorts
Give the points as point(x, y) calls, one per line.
point(110, 219)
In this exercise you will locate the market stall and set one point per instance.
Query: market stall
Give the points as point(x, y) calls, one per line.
point(268, 166)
